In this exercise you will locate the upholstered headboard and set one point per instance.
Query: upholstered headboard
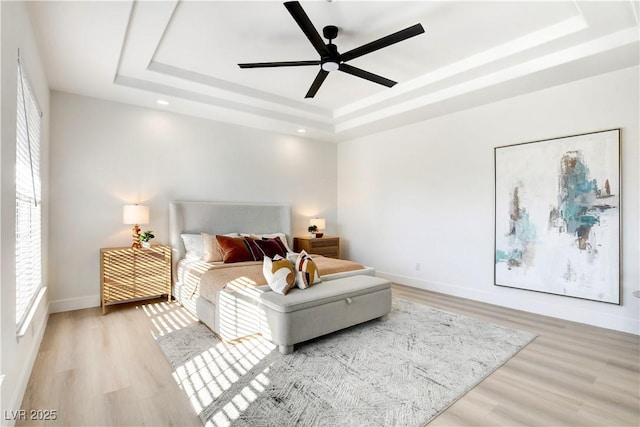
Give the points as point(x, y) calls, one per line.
point(221, 218)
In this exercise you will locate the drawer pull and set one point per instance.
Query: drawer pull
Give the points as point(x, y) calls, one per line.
point(349, 300)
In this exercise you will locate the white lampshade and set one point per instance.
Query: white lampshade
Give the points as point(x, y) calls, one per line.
point(135, 214)
point(318, 222)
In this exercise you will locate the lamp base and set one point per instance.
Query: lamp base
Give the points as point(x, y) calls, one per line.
point(136, 237)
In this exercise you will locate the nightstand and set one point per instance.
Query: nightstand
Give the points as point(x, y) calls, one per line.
point(325, 246)
point(130, 274)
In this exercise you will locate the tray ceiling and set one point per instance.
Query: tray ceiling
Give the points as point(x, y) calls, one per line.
point(187, 52)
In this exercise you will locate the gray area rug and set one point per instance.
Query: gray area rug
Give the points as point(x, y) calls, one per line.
point(401, 370)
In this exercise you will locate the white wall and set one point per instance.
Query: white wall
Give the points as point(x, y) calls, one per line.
point(105, 155)
point(424, 194)
point(18, 354)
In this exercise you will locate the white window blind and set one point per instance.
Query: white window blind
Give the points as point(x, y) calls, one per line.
point(28, 194)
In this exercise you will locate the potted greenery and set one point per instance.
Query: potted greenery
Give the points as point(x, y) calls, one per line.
point(313, 229)
point(145, 238)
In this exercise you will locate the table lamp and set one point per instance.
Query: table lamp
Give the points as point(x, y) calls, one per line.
point(135, 215)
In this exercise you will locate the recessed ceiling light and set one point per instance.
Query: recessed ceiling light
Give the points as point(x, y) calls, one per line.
point(162, 102)
point(302, 130)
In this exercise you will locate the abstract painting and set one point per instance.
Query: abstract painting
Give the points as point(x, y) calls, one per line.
point(557, 216)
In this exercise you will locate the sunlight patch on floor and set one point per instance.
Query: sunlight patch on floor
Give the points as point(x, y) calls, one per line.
point(212, 374)
point(167, 317)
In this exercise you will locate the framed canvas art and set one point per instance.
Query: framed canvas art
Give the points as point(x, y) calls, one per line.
point(557, 216)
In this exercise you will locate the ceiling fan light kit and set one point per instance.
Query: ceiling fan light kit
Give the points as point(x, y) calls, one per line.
point(330, 65)
point(330, 58)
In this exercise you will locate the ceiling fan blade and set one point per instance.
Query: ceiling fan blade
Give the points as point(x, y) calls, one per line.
point(300, 16)
point(366, 75)
point(383, 42)
point(278, 64)
point(322, 74)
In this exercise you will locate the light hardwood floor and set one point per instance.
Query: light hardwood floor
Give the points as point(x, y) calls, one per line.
point(108, 370)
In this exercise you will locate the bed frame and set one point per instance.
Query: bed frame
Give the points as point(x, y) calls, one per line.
point(236, 314)
point(221, 218)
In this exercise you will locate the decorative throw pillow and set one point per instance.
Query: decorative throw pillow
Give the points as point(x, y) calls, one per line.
point(271, 247)
point(233, 249)
point(306, 271)
point(279, 274)
point(256, 253)
point(281, 236)
point(281, 242)
point(210, 248)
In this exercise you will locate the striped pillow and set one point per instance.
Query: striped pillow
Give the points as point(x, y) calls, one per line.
point(256, 252)
point(306, 271)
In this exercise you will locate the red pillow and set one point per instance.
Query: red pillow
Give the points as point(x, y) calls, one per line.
point(233, 249)
point(281, 243)
point(272, 247)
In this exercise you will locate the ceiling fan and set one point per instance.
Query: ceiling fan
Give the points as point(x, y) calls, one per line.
point(330, 58)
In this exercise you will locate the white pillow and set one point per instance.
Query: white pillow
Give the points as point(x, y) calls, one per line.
point(193, 245)
point(306, 271)
point(279, 274)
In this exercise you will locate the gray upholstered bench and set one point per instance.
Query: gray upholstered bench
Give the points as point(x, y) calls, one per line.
point(321, 309)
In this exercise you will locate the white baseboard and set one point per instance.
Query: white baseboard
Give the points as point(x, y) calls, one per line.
point(35, 331)
point(74, 304)
point(532, 302)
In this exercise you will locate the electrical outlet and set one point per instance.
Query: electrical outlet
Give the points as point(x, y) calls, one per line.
point(417, 266)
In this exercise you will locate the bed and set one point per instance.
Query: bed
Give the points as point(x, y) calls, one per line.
point(225, 296)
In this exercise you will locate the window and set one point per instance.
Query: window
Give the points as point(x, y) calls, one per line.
point(28, 194)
